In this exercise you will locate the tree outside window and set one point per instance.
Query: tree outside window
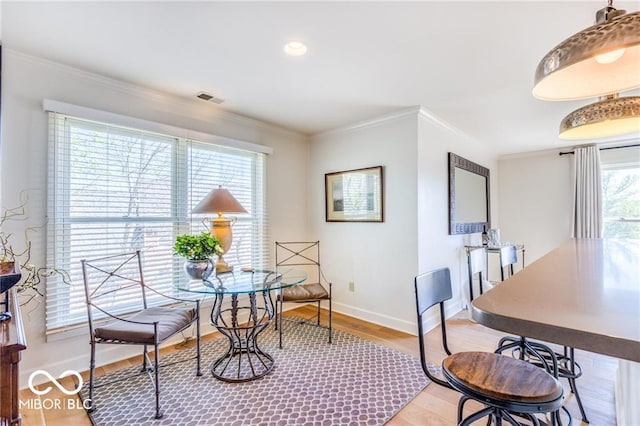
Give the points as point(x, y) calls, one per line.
point(621, 201)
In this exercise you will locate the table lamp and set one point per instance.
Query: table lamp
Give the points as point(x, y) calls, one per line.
point(220, 201)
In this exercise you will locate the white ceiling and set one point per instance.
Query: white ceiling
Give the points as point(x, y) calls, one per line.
point(470, 63)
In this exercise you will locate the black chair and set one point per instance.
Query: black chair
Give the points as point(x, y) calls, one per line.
point(477, 268)
point(507, 387)
point(115, 281)
point(307, 255)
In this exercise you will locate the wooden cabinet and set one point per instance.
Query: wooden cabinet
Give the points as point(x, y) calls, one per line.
point(12, 343)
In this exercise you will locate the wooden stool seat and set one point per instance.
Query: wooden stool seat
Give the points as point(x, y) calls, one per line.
point(501, 378)
point(508, 388)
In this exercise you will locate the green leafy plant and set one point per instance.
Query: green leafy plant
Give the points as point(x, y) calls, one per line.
point(197, 247)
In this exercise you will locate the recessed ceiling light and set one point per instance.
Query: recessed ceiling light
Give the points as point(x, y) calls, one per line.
point(295, 48)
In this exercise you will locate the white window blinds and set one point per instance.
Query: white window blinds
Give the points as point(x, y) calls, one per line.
point(114, 189)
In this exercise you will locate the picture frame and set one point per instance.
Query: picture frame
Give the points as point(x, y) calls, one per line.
point(355, 195)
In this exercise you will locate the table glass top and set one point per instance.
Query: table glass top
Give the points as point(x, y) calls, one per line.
point(241, 282)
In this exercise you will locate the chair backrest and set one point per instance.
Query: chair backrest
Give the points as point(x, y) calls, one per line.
point(477, 261)
point(112, 283)
point(508, 258)
point(299, 253)
point(432, 288)
point(477, 264)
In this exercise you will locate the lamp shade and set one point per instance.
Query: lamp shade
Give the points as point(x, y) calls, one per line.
point(597, 61)
point(609, 117)
point(219, 200)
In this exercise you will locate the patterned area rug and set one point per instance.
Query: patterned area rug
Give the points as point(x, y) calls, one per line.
point(349, 382)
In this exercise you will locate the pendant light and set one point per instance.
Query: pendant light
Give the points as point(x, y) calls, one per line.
point(598, 61)
point(610, 116)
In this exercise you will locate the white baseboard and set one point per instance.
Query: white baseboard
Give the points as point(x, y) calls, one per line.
point(405, 326)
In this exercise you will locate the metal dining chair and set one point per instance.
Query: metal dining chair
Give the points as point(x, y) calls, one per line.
point(317, 290)
point(477, 268)
point(508, 258)
point(118, 299)
point(507, 387)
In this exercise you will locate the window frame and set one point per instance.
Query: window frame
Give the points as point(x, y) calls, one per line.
point(59, 203)
point(612, 163)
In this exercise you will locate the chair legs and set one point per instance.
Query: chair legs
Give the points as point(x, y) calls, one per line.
point(567, 367)
point(568, 361)
point(330, 315)
point(494, 415)
point(92, 367)
point(279, 319)
point(156, 377)
point(198, 371)
point(144, 359)
point(153, 371)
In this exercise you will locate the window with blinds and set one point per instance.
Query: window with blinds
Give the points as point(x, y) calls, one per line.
point(114, 189)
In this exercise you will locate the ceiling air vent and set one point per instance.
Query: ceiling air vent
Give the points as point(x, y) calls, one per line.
point(207, 97)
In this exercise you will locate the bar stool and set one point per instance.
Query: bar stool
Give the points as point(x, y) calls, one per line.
point(477, 267)
point(568, 368)
point(506, 386)
point(508, 258)
point(543, 356)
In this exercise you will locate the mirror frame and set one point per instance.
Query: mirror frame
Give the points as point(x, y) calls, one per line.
point(456, 228)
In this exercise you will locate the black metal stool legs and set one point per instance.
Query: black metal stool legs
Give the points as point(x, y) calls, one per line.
point(571, 370)
point(541, 355)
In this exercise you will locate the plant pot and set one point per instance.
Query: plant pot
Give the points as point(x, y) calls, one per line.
point(199, 269)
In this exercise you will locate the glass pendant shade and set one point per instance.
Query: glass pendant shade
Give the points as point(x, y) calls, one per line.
point(609, 117)
point(571, 70)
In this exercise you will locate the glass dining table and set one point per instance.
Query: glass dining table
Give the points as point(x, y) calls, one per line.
point(241, 319)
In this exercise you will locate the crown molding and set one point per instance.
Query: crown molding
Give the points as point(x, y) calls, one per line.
point(618, 142)
point(49, 105)
point(418, 111)
point(202, 111)
point(376, 121)
point(429, 116)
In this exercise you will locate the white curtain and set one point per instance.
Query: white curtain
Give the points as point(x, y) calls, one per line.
point(587, 194)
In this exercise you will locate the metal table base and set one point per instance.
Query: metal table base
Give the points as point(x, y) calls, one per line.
point(244, 360)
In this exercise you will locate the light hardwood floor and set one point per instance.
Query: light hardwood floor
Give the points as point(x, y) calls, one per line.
point(435, 405)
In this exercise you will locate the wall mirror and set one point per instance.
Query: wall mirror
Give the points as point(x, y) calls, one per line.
point(468, 196)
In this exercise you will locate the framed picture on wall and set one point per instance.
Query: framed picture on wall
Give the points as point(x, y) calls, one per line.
point(355, 195)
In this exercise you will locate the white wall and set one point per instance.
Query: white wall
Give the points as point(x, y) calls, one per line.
point(535, 201)
point(27, 80)
point(380, 258)
point(383, 258)
point(437, 248)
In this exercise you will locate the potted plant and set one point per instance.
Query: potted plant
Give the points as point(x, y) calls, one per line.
point(198, 251)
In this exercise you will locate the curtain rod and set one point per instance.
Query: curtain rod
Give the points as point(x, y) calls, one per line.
point(602, 149)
